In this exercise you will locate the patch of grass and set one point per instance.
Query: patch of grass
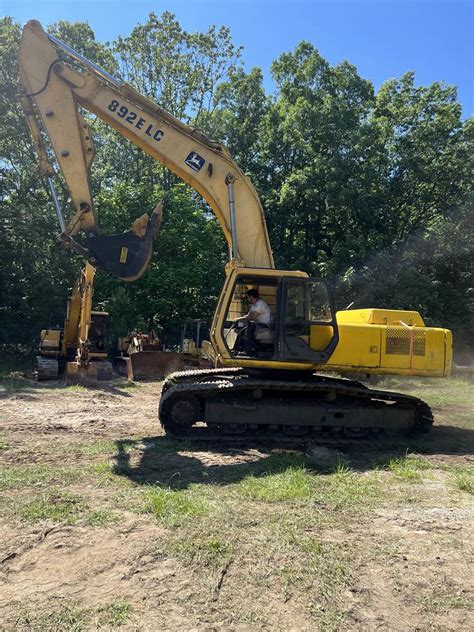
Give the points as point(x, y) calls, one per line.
point(101, 446)
point(102, 518)
point(128, 384)
point(346, 490)
point(435, 391)
point(114, 614)
point(203, 550)
point(4, 445)
point(12, 384)
point(410, 467)
point(322, 570)
point(440, 601)
point(37, 475)
point(293, 484)
point(107, 473)
point(175, 507)
point(252, 618)
point(13, 363)
point(62, 506)
point(165, 445)
point(59, 617)
point(75, 388)
point(54, 508)
point(13, 372)
point(341, 490)
point(464, 481)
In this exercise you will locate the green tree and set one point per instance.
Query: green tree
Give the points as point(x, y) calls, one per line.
point(34, 271)
point(237, 119)
point(178, 69)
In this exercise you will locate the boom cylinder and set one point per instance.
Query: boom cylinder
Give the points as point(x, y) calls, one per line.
point(230, 179)
point(57, 206)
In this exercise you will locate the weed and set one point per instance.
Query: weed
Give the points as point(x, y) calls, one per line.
point(203, 550)
point(75, 388)
point(464, 481)
point(55, 508)
point(18, 476)
point(175, 507)
point(114, 614)
point(346, 490)
point(437, 392)
point(409, 468)
point(251, 618)
point(11, 384)
point(101, 446)
point(322, 570)
point(129, 384)
point(440, 601)
point(102, 518)
point(62, 617)
point(294, 483)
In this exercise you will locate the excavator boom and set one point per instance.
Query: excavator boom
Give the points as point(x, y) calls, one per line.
point(52, 91)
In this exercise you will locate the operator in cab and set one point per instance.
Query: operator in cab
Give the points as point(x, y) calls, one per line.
point(258, 321)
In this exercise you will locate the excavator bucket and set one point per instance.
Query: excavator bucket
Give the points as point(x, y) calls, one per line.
point(87, 375)
point(126, 255)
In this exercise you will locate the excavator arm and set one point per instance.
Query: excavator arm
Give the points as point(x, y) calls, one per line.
point(52, 92)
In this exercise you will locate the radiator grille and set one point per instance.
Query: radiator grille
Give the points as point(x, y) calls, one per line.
point(397, 341)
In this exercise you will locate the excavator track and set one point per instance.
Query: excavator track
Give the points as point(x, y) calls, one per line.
point(46, 368)
point(241, 403)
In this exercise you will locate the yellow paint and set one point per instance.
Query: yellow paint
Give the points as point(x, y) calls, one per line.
point(123, 254)
point(373, 316)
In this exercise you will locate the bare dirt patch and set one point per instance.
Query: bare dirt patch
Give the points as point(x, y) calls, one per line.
point(107, 524)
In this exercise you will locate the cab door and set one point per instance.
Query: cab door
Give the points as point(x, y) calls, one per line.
point(306, 324)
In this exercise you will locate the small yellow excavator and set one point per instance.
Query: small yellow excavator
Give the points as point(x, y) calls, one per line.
point(279, 385)
point(82, 340)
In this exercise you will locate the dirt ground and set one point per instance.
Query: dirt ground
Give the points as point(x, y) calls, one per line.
point(107, 524)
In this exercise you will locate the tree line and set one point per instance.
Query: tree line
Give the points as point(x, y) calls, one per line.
point(369, 189)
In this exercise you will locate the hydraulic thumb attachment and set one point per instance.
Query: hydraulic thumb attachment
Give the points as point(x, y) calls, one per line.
point(126, 255)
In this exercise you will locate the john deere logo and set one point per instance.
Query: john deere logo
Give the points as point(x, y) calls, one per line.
point(195, 161)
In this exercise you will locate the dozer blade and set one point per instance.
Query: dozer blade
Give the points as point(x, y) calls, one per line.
point(87, 375)
point(126, 255)
point(153, 365)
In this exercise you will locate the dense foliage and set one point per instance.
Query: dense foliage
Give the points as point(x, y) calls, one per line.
point(371, 190)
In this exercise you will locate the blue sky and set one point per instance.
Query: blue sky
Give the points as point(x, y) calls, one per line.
point(383, 38)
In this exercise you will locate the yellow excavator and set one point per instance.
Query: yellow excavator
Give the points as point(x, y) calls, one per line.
point(277, 385)
point(82, 340)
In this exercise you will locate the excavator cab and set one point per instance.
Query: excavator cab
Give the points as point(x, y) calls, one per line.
point(302, 327)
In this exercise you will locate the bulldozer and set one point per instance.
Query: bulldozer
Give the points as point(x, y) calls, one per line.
point(282, 384)
point(143, 357)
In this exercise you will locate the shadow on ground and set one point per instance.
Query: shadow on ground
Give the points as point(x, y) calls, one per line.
point(178, 464)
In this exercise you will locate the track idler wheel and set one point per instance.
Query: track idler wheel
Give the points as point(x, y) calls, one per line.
point(180, 415)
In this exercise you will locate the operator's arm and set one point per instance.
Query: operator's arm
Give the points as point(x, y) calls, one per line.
point(252, 316)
